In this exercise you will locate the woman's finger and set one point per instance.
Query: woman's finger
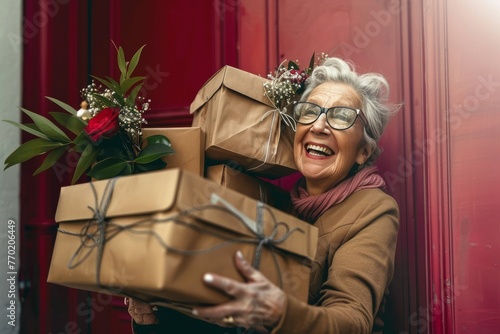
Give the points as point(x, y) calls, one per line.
point(141, 312)
point(249, 272)
point(226, 285)
point(233, 287)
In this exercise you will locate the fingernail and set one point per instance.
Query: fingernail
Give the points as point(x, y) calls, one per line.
point(239, 254)
point(208, 278)
point(194, 312)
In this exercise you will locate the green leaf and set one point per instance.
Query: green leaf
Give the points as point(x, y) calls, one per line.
point(311, 63)
point(121, 62)
point(72, 123)
point(158, 139)
point(153, 152)
point(63, 105)
point(153, 165)
point(116, 86)
point(128, 83)
point(51, 159)
point(31, 149)
point(32, 128)
point(127, 170)
point(119, 99)
point(107, 102)
point(108, 168)
point(293, 65)
point(104, 82)
point(133, 95)
point(47, 127)
point(86, 160)
point(81, 142)
point(134, 61)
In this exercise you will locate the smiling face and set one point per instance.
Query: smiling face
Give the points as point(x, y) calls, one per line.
point(325, 155)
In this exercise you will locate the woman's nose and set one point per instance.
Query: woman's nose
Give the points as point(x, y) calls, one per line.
point(319, 125)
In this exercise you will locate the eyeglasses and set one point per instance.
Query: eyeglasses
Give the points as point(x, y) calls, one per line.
point(339, 118)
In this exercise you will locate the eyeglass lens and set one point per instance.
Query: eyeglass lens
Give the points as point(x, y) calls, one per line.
point(337, 117)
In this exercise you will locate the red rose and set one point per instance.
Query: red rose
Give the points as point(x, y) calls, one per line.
point(105, 123)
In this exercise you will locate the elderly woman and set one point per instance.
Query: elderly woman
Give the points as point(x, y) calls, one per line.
point(340, 117)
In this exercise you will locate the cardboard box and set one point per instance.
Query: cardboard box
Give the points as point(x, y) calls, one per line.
point(242, 125)
point(189, 146)
point(162, 233)
point(251, 186)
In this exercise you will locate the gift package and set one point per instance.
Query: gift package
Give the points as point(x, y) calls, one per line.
point(189, 146)
point(154, 235)
point(241, 124)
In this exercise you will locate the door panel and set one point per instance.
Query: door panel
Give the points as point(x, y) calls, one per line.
point(474, 119)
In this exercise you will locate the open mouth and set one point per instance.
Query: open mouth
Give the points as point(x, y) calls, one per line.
point(321, 151)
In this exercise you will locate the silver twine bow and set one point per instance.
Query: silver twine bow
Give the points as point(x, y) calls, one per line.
point(276, 112)
point(97, 238)
point(255, 226)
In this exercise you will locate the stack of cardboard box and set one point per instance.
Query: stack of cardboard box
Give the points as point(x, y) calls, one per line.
point(152, 236)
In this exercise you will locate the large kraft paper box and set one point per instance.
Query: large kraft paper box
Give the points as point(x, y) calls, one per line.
point(162, 233)
point(242, 125)
point(189, 146)
point(251, 186)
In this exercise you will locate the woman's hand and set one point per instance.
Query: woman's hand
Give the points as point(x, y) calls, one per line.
point(142, 313)
point(257, 303)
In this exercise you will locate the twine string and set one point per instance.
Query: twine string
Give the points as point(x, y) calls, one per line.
point(277, 114)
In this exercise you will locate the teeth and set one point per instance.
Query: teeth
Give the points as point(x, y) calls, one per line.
point(317, 148)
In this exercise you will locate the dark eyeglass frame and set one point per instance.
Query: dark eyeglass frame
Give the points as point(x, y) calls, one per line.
point(324, 110)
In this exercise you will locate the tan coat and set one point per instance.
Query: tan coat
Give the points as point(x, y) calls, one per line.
point(352, 270)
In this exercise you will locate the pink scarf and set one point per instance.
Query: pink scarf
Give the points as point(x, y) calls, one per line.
point(310, 208)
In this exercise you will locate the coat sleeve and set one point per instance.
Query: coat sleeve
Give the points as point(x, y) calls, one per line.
point(358, 275)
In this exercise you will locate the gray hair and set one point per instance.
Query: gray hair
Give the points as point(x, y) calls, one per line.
point(373, 90)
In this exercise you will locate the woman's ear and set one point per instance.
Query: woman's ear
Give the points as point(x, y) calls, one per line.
point(364, 153)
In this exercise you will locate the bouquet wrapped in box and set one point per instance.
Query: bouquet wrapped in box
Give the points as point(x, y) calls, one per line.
point(152, 236)
point(189, 144)
point(242, 125)
point(251, 186)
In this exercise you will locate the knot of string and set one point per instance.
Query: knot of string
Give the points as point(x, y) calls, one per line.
point(97, 238)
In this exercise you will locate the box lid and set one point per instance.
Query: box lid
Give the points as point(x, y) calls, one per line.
point(132, 195)
point(245, 83)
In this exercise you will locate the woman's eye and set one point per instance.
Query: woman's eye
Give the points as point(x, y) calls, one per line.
point(343, 114)
point(309, 112)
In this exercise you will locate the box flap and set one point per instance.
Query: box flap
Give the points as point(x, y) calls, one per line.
point(189, 146)
point(132, 195)
point(195, 191)
point(245, 83)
